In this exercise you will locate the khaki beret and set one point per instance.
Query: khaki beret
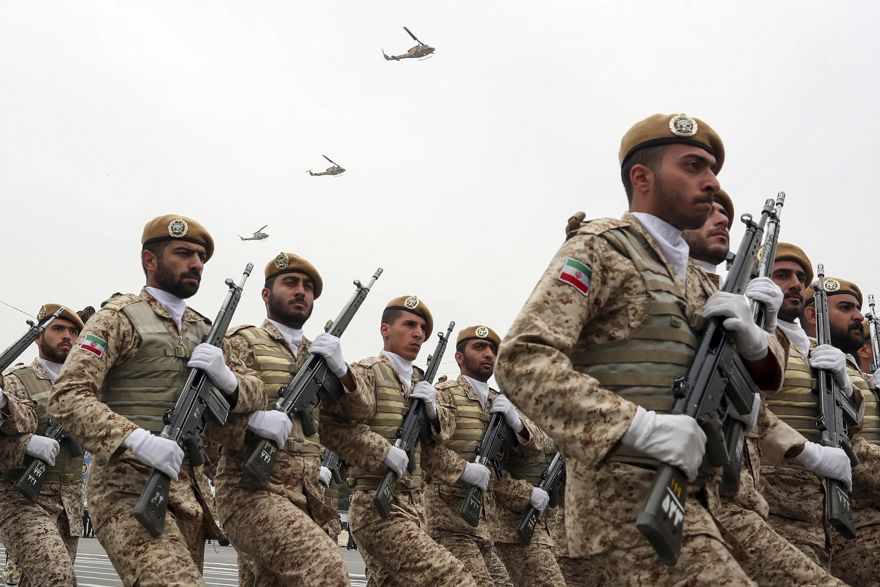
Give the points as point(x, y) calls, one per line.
point(480, 332)
point(292, 263)
point(866, 329)
point(67, 314)
point(722, 198)
point(666, 129)
point(835, 286)
point(790, 252)
point(174, 227)
point(415, 306)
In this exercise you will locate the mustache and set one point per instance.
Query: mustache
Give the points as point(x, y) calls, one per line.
point(194, 274)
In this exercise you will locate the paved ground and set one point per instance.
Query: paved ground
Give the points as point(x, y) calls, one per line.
point(93, 568)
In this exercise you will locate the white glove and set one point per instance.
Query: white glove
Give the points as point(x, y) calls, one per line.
point(210, 359)
point(826, 461)
point(330, 347)
point(502, 405)
point(43, 448)
point(475, 474)
point(765, 290)
point(540, 499)
point(396, 460)
point(832, 358)
point(155, 451)
point(674, 439)
point(324, 476)
point(750, 339)
point(751, 420)
point(426, 392)
point(272, 425)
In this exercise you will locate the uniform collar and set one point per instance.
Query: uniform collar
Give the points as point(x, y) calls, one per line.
point(795, 335)
point(292, 336)
point(45, 369)
point(668, 241)
point(401, 366)
point(481, 389)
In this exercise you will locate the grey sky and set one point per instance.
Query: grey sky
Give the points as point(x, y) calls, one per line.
point(462, 169)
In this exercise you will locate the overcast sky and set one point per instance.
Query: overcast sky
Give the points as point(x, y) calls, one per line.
point(462, 169)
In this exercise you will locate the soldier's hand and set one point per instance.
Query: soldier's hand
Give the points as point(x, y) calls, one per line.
point(426, 392)
point(272, 425)
point(476, 474)
point(324, 476)
point(210, 359)
point(43, 448)
point(396, 460)
point(540, 499)
point(750, 339)
point(502, 405)
point(826, 461)
point(330, 347)
point(828, 357)
point(157, 452)
point(765, 290)
point(674, 439)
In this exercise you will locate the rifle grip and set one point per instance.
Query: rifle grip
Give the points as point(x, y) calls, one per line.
point(193, 448)
point(152, 505)
point(307, 422)
point(258, 460)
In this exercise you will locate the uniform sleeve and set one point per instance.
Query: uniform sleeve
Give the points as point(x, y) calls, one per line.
point(360, 403)
point(775, 436)
point(866, 476)
point(74, 401)
point(239, 358)
point(447, 413)
point(354, 442)
point(20, 410)
point(531, 437)
point(534, 368)
point(512, 494)
point(444, 465)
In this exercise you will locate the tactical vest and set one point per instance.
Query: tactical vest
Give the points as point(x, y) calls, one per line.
point(529, 465)
point(471, 422)
point(870, 430)
point(146, 386)
point(643, 367)
point(391, 407)
point(796, 403)
point(68, 468)
point(275, 369)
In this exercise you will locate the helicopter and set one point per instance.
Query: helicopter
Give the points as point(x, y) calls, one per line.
point(257, 236)
point(336, 169)
point(420, 51)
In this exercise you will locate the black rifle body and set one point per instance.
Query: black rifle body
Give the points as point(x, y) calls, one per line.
point(551, 479)
point(296, 399)
point(184, 424)
point(416, 428)
point(30, 483)
point(497, 439)
point(332, 461)
point(716, 373)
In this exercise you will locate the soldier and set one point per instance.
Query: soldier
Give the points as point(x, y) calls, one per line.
point(593, 354)
point(279, 527)
point(42, 537)
point(452, 466)
point(122, 375)
point(361, 430)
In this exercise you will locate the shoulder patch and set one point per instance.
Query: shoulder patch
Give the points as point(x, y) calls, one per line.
point(576, 274)
point(93, 344)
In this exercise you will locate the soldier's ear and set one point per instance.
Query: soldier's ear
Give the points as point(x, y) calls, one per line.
point(641, 178)
point(265, 295)
point(149, 260)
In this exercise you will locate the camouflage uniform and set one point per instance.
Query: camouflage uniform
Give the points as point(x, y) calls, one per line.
point(279, 527)
point(396, 550)
point(497, 570)
point(42, 537)
point(130, 333)
point(634, 300)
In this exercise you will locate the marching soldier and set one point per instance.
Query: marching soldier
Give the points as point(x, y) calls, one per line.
point(279, 527)
point(42, 536)
point(593, 354)
point(124, 372)
point(396, 550)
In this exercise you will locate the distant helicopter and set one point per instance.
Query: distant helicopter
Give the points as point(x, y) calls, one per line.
point(420, 51)
point(336, 169)
point(257, 236)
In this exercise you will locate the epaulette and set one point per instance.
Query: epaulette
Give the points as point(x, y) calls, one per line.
point(419, 371)
point(240, 327)
point(119, 301)
point(207, 320)
point(369, 361)
point(599, 226)
point(446, 383)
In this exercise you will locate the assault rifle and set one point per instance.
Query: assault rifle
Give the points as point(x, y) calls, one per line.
point(717, 372)
point(835, 412)
point(332, 461)
point(551, 479)
point(415, 428)
point(734, 429)
point(14, 350)
point(298, 396)
point(185, 422)
point(874, 328)
point(490, 450)
point(30, 483)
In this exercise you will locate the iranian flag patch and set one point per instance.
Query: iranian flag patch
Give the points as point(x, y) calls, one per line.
point(93, 344)
point(576, 274)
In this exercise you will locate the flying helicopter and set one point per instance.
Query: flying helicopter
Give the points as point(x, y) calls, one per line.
point(257, 236)
point(420, 51)
point(336, 169)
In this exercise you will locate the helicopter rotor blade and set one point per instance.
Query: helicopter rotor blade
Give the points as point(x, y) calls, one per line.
point(331, 160)
point(415, 38)
point(261, 228)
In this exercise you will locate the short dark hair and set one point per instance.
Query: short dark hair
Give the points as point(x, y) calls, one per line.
point(390, 315)
point(156, 248)
point(650, 157)
point(270, 282)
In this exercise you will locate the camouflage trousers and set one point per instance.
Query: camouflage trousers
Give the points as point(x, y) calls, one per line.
point(246, 576)
point(274, 527)
point(530, 565)
point(37, 536)
point(174, 558)
point(397, 550)
point(856, 561)
point(497, 570)
point(471, 552)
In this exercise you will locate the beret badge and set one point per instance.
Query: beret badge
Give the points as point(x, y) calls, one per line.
point(42, 313)
point(411, 303)
point(682, 125)
point(282, 261)
point(832, 285)
point(178, 228)
point(482, 332)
